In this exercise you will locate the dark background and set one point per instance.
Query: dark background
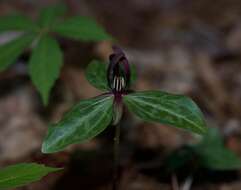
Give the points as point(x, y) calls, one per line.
point(180, 46)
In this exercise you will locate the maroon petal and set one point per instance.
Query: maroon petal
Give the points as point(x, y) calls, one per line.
point(118, 73)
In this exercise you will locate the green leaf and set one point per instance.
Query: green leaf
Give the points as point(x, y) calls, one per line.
point(13, 49)
point(84, 121)
point(16, 22)
point(219, 158)
point(81, 28)
point(48, 15)
point(23, 174)
point(214, 155)
point(212, 138)
point(165, 108)
point(133, 74)
point(96, 74)
point(45, 64)
point(179, 158)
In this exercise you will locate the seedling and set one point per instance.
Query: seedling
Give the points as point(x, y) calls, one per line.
point(213, 154)
point(46, 59)
point(210, 155)
point(91, 116)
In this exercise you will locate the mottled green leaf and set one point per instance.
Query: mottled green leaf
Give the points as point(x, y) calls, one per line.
point(10, 51)
point(96, 74)
point(165, 108)
point(214, 155)
point(81, 28)
point(49, 15)
point(23, 174)
point(45, 64)
point(83, 122)
point(16, 22)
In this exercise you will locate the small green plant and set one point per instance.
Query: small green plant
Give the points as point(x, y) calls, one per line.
point(23, 174)
point(46, 58)
point(90, 117)
point(209, 153)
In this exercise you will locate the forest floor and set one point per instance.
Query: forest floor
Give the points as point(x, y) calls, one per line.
point(180, 46)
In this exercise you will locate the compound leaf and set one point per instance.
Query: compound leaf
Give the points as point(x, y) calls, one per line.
point(45, 64)
point(16, 22)
point(10, 51)
point(81, 28)
point(48, 15)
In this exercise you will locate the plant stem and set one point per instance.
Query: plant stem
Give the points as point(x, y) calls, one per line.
point(116, 157)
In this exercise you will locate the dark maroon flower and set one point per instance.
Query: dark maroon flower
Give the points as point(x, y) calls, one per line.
point(118, 74)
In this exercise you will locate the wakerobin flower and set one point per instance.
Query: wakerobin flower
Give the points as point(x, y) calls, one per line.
point(118, 76)
point(90, 117)
point(118, 73)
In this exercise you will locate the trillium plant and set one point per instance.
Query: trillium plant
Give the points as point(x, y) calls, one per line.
point(92, 116)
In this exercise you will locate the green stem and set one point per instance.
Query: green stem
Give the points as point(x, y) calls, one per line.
point(116, 157)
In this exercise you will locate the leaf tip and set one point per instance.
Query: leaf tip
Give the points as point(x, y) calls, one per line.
point(46, 149)
point(204, 128)
point(44, 94)
point(55, 169)
point(45, 101)
point(203, 131)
